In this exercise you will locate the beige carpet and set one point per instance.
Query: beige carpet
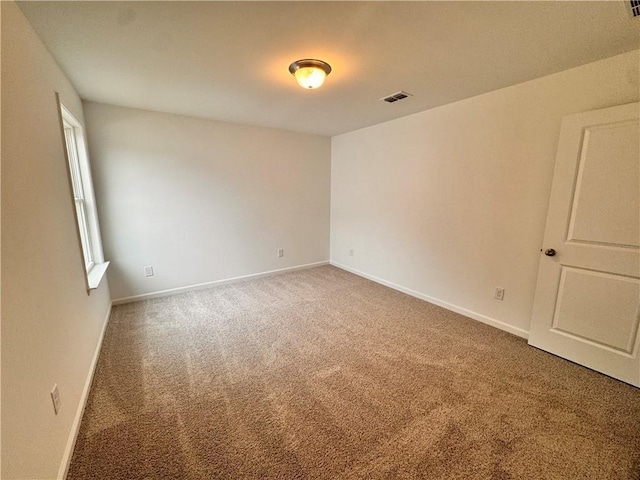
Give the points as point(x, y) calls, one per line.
point(320, 374)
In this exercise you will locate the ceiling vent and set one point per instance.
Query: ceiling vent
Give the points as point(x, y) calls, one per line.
point(402, 95)
point(635, 8)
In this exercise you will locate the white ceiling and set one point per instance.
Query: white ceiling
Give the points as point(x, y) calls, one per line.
point(228, 60)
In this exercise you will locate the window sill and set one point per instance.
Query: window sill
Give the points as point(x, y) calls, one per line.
point(94, 276)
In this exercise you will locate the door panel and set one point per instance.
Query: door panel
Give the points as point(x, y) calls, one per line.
point(597, 215)
point(587, 303)
point(597, 307)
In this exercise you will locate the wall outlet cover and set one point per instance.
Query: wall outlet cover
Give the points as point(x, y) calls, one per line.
point(55, 398)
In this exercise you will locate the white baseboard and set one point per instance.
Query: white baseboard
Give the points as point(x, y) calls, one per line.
point(449, 306)
point(75, 427)
point(201, 286)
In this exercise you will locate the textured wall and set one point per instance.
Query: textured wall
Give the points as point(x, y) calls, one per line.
point(50, 326)
point(451, 202)
point(201, 200)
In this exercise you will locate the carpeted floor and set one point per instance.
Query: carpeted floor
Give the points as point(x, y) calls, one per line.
point(320, 374)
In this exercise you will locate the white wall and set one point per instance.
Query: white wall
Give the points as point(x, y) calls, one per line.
point(201, 200)
point(50, 326)
point(451, 202)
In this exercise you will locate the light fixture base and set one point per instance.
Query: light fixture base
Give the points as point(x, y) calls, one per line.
point(309, 62)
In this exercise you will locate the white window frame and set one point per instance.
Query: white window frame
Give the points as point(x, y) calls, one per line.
point(84, 202)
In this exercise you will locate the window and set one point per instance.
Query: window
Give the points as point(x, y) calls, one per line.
point(83, 198)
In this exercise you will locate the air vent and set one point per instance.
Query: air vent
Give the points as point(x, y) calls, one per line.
point(635, 8)
point(398, 96)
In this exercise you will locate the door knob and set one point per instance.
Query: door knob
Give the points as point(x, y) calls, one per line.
point(549, 252)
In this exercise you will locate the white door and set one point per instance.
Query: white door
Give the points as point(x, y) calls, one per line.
point(587, 302)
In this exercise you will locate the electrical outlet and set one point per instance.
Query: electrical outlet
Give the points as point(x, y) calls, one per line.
point(55, 398)
point(281, 252)
point(148, 271)
point(499, 295)
point(351, 252)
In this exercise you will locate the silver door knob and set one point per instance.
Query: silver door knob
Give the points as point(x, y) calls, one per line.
point(550, 252)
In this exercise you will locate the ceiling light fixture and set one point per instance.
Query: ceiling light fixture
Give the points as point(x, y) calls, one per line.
point(310, 73)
